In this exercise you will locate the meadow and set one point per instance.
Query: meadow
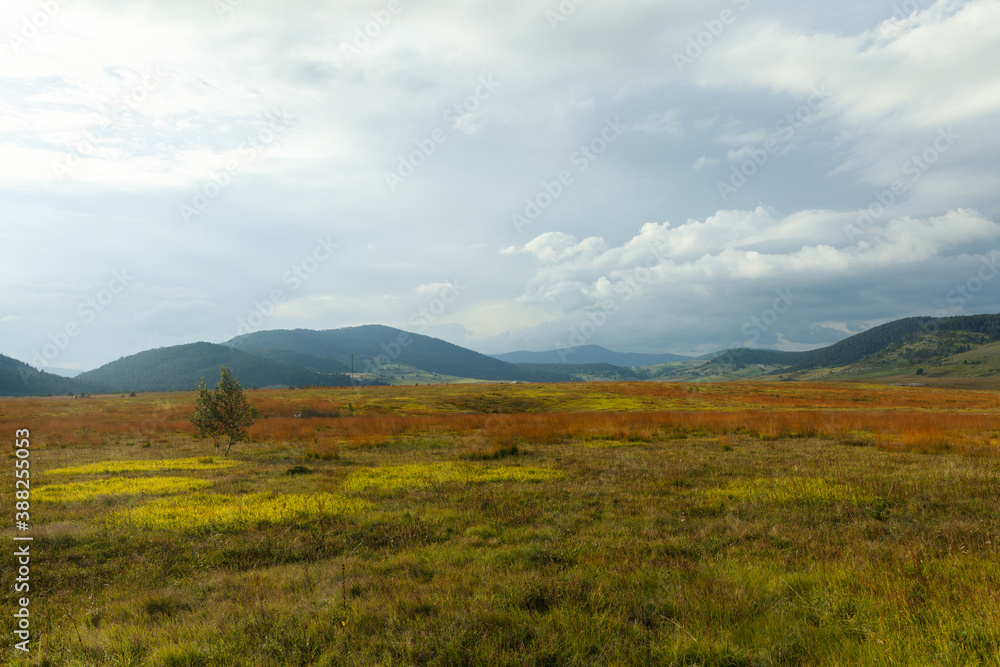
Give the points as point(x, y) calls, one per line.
point(751, 523)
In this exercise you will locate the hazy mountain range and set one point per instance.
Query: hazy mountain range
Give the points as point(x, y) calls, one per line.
point(947, 347)
point(589, 354)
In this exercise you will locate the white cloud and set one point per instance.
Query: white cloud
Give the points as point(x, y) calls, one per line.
point(431, 288)
point(557, 246)
point(837, 326)
point(665, 123)
point(719, 254)
point(703, 162)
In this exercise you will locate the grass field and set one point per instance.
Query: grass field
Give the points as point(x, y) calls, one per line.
point(570, 524)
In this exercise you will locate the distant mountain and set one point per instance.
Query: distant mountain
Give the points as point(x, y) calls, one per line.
point(965, 346)
point(19, 379)
point(376, 346)
point(584, 372)
point(180, 368)
point(589, 354)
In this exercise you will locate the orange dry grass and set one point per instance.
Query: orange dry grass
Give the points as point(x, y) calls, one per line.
point(96, 421)
point(895, 429)
point(604, 396)
point(892, 417)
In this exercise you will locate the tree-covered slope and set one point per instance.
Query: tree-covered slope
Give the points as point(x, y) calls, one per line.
point(870, 343)
point(303, 360)
point(180, 368)
point(19, 379)
point(854, 349)
point(749, 356)
point(375, 345)
point(987, 325)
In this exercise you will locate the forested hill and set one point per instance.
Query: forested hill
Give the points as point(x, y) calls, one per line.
point(987, 325)
point(750, 356)
point(375, 346)
point(19, 379)
point(854, 349)
point(180, 368)
point(302, 360)
point(322, 358)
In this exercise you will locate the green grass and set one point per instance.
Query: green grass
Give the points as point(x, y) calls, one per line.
point(423, 476)
point(786, 490)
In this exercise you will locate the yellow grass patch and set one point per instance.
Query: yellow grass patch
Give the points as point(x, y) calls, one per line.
point(117, 486)
point(786, 490)
point(421, 476)
point(205, 511)
point(162, 465)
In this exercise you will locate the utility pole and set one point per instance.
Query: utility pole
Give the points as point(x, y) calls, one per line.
point(352, 369)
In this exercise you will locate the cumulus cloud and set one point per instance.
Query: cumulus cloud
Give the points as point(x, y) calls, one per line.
point(727, 260)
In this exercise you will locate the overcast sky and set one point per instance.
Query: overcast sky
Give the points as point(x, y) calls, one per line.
point(646, 175)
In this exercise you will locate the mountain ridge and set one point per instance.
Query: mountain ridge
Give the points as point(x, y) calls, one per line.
point(179, 367)
point(377, 347)
point(384, 355)
point(19, 379)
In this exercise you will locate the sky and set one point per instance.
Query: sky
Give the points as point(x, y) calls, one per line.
point(646, 175)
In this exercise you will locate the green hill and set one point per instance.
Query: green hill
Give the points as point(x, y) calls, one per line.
point(180, 368)
point(19, 379)
point(376, 347)
point(931, 348)
point(889, 352)
point(854, 349)
point(890, 340)
point(386, 355)
point(752, 357)
point(303, 360)
point(987, 325)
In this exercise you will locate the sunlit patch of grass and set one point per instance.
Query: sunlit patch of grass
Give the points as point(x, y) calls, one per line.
point(117, 486)
point(205, 511)
point(161, 465)
point(422, 476)
point(787, 490)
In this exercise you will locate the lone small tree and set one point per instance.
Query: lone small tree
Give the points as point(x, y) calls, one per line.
point(224, 414)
